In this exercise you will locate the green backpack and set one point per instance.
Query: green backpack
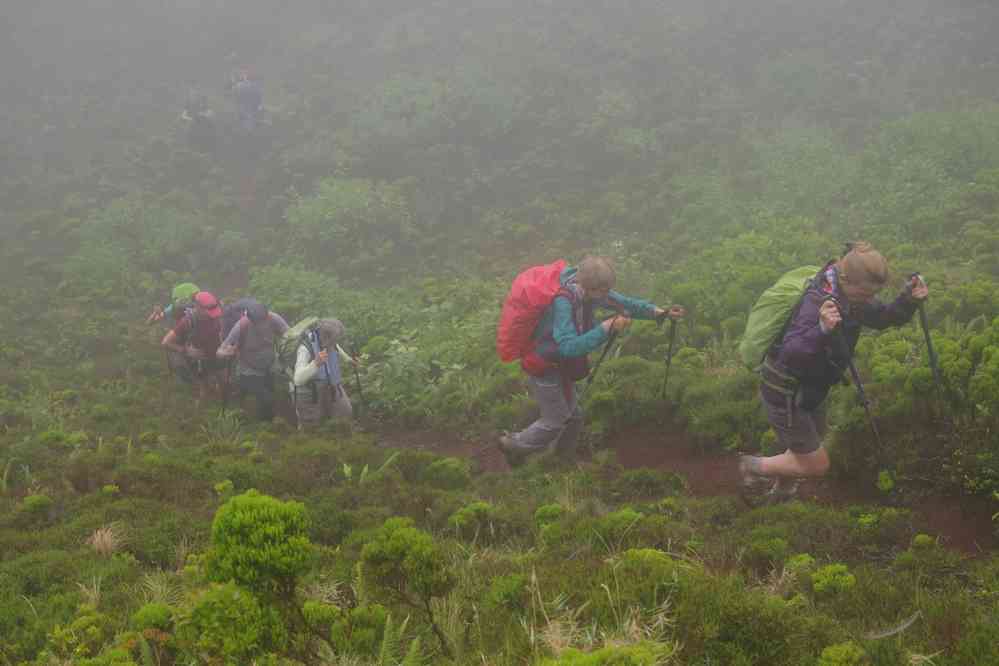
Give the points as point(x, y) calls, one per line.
point(287, 345)
point(770, 314)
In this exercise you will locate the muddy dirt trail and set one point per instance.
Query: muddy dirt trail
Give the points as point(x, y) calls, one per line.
point(962, 523)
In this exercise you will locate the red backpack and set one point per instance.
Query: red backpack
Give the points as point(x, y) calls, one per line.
point(532, 291)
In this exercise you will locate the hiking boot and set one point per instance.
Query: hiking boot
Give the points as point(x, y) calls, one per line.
point(510, 454)
point(782, 490)
point(754, 484)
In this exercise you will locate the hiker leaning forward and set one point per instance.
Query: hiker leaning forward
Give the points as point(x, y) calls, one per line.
point(252, 339)
point(565, 335)
point(196, 338)
point(810, 358)
point(317, 387)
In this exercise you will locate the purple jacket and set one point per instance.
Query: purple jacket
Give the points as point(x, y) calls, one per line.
point(815, 358)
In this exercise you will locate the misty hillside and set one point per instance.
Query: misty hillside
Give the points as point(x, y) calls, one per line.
point(394, 165)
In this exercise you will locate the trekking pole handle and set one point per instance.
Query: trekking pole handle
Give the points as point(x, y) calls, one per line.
point(668, 314)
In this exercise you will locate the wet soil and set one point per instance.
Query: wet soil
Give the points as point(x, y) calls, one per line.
point(961, 523)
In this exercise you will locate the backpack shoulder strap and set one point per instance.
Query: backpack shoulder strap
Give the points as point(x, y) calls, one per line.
point(813, 284)
point(305, 339)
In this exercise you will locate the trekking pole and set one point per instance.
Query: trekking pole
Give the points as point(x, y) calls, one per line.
point(589, 380)
point(669, 354)
point(357, 377)
point(226, 383)
point(855, 376)
point(924, 324)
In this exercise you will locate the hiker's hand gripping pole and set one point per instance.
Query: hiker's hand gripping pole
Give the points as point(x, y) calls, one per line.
point(674, 314)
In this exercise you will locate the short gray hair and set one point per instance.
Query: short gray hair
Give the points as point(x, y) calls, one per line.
point(331, 331)
point(596, 273)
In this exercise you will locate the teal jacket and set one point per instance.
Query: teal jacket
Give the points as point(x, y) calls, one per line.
point(558, 318)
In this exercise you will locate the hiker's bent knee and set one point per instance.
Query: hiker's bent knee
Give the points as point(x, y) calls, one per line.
point(815, 463)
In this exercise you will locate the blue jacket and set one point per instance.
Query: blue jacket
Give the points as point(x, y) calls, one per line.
point(557, 334)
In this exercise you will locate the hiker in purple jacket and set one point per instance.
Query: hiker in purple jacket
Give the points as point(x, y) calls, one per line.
point(804, 364)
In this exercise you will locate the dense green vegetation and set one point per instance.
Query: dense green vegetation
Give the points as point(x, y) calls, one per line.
point(414, 160)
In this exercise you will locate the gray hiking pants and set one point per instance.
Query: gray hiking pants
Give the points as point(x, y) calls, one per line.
point(332, 402)
point(561, 417)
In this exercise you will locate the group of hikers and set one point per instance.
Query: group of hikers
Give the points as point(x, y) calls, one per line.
point(208, 345)
point(549, 323)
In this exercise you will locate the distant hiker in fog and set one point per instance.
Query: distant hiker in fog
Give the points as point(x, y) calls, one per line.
point(249, 99)
point(251, 340)
point(181, 302)
point(200, 122)
point(196, 337)
point(810, 357)
point(317, 386)
point(555, 355)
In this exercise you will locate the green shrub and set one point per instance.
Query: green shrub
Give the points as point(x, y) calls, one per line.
point(448, 474)
point(85, 636)
point(884, 528)
point(886, 482)
point(509, 592)
point(228, 623)
point(768, 547)
point(548, 514)
point(614, 529)
point(259, 542)
point(477, 519)
point(843, 654)
point(640, 577)
point(153, 615)
point(765, 552)
point(405, 563)
point(833, 579)
point(926, 556)
point(720, 620)
point(359, 632)
point(318, 614)
point(37, 505)
point(800, 564)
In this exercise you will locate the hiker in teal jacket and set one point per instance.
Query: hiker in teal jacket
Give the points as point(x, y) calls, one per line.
point(564, 337)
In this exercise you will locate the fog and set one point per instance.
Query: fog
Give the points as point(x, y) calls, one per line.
point(332, 198)
point(87, 85)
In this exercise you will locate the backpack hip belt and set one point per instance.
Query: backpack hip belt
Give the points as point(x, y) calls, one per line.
point(782, 382)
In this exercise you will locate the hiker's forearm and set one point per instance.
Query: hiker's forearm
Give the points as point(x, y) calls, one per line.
point(636, 308)
point(880, 316)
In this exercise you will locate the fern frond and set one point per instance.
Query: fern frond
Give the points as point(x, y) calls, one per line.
point(389, 651)
point(414, 655)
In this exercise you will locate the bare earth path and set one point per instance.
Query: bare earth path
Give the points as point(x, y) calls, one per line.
point(963, 523)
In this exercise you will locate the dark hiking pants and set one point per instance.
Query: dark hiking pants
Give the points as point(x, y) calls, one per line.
point(261, 387)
